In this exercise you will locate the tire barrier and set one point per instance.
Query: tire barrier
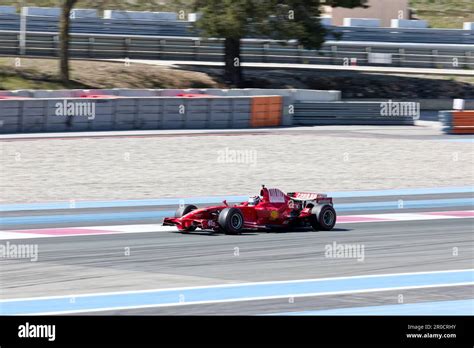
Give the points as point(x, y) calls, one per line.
point(457, 122)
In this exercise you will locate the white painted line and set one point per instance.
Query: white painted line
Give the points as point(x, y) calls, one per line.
point(238, 284)
point(135, 228)
point(378, 69)
point(126, 229)
point(252, 299)
point(408, 216)
point(5, 235)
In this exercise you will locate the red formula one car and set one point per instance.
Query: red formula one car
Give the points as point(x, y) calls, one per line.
point(272, 209)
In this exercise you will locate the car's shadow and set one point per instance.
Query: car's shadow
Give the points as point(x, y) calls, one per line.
point(256, 233)
point(214, 234)
point(310, 230)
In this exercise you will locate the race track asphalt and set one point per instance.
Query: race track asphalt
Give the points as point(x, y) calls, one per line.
point(165, 259)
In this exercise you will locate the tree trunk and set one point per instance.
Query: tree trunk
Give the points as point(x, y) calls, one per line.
point(233, 70)
point(64, 40)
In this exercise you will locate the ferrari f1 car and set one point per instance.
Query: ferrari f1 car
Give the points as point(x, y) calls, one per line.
point(270, 210)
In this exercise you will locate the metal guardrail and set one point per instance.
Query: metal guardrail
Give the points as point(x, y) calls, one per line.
point(345, 113)
point(428, 35)
point(102, 46)
point(185, 28)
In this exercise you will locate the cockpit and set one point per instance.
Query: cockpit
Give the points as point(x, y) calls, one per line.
point(253, 200)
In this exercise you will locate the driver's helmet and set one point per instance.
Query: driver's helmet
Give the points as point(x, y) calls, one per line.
point(254, 200)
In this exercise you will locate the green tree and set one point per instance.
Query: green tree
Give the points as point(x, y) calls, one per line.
point(274, 19)
point(64, 39)
point(67, 6)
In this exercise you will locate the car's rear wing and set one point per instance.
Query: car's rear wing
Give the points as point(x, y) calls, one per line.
point(319, 198)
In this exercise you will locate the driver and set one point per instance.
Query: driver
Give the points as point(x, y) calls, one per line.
point(254, 200)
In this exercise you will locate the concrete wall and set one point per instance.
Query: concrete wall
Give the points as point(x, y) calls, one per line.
point(25, 111)
point(407, 23)
point(326, 20)
point(293, 94)
point(56, 12)
point(7, 9)
point(82, 114)
point(468, 26)
point(385, 10)
point(83, 13)
point(193, 17)
point(221, 110)
point(150, 16)
point(361, 22)
point(43, 11)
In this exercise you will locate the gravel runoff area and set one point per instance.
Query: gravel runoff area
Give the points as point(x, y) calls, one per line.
point(317, 159)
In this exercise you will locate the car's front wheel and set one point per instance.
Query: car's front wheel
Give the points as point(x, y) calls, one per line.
point(183, 210)
point(231, 220)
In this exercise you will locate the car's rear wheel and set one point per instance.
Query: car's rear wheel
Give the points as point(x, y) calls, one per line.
point(231, 220)
point(183, 210)
point(323, 218)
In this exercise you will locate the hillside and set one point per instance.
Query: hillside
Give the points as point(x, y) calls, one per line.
point(41, 74)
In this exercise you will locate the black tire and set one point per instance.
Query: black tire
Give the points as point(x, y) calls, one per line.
point(183, 210)
point(323, 218)
point(231, 220)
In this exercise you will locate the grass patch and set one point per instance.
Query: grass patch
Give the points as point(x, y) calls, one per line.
point(18, 82)
point(43, 74)
point(444, 13)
